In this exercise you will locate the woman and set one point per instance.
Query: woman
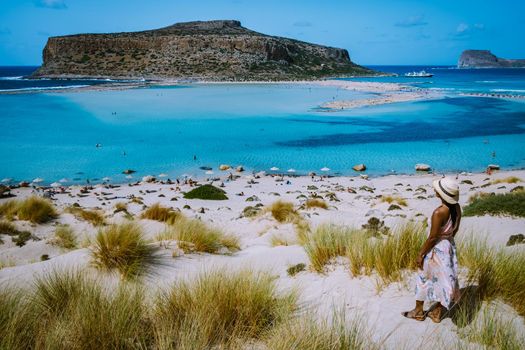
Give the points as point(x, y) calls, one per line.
point(438, 282)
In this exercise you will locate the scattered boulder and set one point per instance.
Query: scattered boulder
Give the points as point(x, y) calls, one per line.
point(493, 167)
point(394, 207)
point(239, 169)
point(422, 167)
point(295, 269)
point(250, 211)
point(359, 167)
point(516, 239)
point(253, 198)
point(148, 178)
point(224, 167)
point(468, 182)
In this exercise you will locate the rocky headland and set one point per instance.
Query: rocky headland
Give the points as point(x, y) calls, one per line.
point(212, 50)
point(486, 59)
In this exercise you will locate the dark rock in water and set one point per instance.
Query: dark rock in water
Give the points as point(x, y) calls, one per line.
point(129, 171)
point(516, 239)
point(486, 59)
point(359, 167)
point(210, 50)
point(493, 167)
point(205, 168)
point(422, 167)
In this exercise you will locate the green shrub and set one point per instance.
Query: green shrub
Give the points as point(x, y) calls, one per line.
point(219, 308)
point(208, 192)
point(512, 204)
point(124, 248)
point(295, 269)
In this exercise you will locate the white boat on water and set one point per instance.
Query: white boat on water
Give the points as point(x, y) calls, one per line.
point(421, 74)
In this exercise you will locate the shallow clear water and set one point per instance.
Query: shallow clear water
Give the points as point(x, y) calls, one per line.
point(159, 130)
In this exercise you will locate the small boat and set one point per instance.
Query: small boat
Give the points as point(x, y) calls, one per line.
point(421, 74)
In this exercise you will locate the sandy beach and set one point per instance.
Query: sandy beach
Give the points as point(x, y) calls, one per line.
point(351, 200)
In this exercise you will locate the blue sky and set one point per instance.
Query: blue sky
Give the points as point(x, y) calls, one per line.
point(373, 31)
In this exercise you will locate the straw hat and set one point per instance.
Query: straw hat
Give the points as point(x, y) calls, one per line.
point(448, 189)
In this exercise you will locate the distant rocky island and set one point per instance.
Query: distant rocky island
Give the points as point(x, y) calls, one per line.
point(204, 50)
point(486, 59)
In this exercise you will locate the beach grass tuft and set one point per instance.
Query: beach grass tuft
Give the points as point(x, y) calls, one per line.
point(207, 192)
point(497, 272)
point(220, 308)
point(327, 242)
point(394, 199)
point(163, 214)
point(34, 209)
point(195, 235)
point(123, 247)
point(316, 203)
point(511, 204)
point(307, 332)
point(64, 237)
point(95, 217)
point(283, 211)
point(507, 180)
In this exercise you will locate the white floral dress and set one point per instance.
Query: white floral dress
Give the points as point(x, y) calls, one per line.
point(439, 279)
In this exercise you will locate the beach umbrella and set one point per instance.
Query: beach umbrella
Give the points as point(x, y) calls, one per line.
point(325, 169)
point(38, 179)
point(291, 170)
point(209, 172)
point(56, 184)
point(163, 175)
point(274, 168)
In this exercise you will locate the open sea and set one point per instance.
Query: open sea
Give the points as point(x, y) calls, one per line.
point(157, 130)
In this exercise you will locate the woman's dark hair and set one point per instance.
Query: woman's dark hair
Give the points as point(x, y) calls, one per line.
point(453, 212)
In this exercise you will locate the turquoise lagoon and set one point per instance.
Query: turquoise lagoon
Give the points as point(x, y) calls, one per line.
point(160, 130)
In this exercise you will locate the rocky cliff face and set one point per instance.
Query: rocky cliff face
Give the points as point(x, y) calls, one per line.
point(486, 59)
point(214, 50)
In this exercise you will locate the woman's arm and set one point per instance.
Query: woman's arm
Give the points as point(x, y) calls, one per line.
point(433, 237)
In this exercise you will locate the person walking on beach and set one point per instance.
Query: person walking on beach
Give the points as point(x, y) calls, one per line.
point(437, 280)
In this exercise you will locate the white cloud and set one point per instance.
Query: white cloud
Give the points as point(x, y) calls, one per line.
point(413, 21)
point(52, 4)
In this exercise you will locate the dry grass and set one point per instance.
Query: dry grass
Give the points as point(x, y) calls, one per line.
point(394, 199)
point(95, 217)
point(388, 255)
point(309, 333)
point(498, 272)
point(64, 237)
point(163, 214)
point(218, 309)
point(316, 203)
point(68, 311)
point(276, 241)
point(493, 330)
point(507, 180)
point(195, 235)
point(327, 242)
point(284, 212)
point(123, 247)
point(34, 209)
